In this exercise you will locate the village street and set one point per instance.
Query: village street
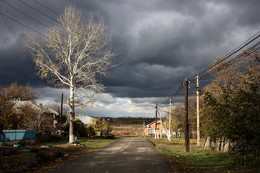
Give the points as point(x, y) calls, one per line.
point(127, 155)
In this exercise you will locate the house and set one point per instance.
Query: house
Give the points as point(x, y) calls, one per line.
point(149, 129)
point(48, 116)
point(86, 119)
point(43, 116)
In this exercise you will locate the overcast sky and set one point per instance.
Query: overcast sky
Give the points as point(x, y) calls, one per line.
point(159, 43)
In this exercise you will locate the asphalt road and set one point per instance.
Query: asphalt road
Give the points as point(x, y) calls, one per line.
point(126, 155)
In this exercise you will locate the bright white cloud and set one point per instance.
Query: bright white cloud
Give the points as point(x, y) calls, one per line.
point(106, 104)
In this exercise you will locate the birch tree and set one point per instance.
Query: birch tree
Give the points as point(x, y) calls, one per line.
point(73, 54)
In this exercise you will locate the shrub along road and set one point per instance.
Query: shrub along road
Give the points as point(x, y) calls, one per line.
point(128, 155)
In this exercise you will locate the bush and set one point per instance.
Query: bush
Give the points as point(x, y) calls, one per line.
point(27, 165)
point(90, 131)
point(109, 136)
point(34, 150)
point(45, 156)
point(41, 138)
point(9, 151)
point(33, 163)
point(27, 142)
point(58, 153)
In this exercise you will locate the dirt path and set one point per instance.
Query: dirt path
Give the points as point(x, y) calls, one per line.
point(126, 155)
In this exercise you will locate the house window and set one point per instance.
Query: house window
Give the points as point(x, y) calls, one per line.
point(150, 130)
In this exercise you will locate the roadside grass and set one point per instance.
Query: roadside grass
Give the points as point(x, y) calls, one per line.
point(173, 140)
point(89, 142)
point(197, 157)
point(200, 159)
point(95, 142)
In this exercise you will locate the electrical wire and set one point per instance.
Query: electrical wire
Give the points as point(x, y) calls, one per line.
point(169, 113)
point(46, 7)
point(61, 33)
point(15, 36)
point(23, 24)
point(177, 91)
point(228, 64)
point(38, 11)
point(237, 49)
point(25, 14)
point(12, 31)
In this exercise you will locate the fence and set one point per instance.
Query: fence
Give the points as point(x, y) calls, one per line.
point(17, 135)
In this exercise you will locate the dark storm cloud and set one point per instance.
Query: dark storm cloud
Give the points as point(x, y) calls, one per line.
point(185, 34)
point(17, 67)
point(159, 43)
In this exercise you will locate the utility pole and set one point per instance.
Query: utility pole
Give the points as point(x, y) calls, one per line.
point(160, 124)
point(170, 116)
point(187, 129)
point(156, 110)
point(61, 105)
point(198, 109)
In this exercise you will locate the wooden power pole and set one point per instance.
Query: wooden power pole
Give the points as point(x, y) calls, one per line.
point(187, 129)
point(198, 110)
point(160, 124)
point(61, 105)
point(170, 115)
point(155, 129)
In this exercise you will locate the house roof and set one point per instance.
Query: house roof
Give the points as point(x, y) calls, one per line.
point(49, 109)
point(86, 119)
point(41, 109)
point(147, 125)
point(18, 104)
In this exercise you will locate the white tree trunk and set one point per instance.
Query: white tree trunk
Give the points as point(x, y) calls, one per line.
point(72, 116)
point(168, 134)
point(207, 143)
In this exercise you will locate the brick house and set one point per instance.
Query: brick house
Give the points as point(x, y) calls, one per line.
point(149, 129)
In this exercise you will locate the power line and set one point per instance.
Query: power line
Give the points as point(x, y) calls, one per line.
point(14, 35)
point(25, 14)
point(38, 11)
point(46, 7)
point(23, 24)
point(170, 113)
point(12, 31)
point(240, 47)
point(60, 31)
point(178, 90)
point(228, 64)
point(205, 81)
point(228, 55)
